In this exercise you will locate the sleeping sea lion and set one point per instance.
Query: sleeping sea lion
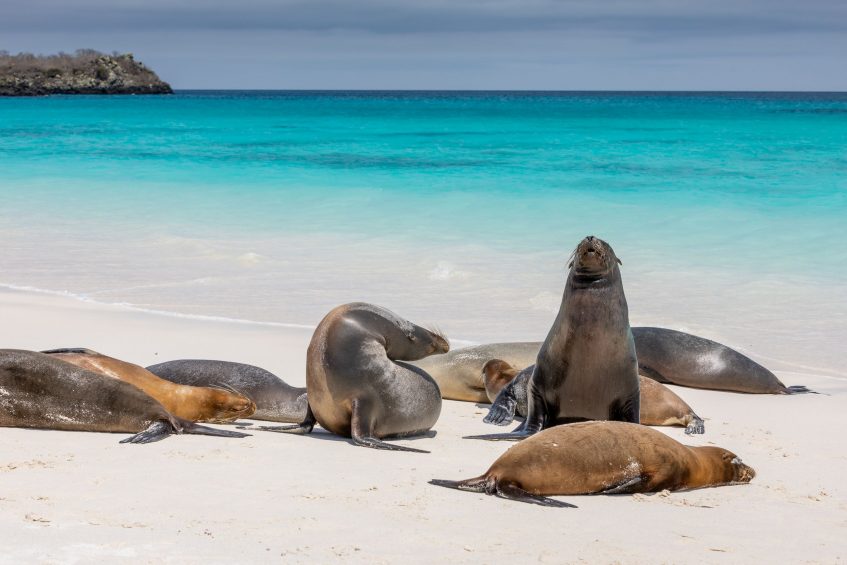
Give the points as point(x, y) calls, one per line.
point(41, 391)
point(275, 400)
point(602, 458)
point(197, 404)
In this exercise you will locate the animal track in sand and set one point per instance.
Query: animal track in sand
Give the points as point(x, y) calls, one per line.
point(32, 464)
point(665, 498)
point(36, 518)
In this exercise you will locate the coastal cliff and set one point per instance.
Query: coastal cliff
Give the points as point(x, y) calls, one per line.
point(85, 72)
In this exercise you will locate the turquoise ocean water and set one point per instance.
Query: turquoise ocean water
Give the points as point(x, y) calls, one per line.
point(729, 211)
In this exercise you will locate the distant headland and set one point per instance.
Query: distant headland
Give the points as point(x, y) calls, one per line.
point(84, 72)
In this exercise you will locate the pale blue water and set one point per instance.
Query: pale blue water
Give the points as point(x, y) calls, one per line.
point(275, 206)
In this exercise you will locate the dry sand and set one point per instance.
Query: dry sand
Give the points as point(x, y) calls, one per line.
point(74, 497)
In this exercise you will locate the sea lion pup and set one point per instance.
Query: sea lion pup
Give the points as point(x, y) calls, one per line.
point(669, 356)
point(197, 404)
point(660, 406)
point(357, 386)
point(275, 400)
point(42, 391)
point(603, 458)
point(586, 368)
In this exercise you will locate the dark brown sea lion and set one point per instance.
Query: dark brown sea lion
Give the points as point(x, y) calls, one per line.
point(358, 387)
point(506, 388)
point(586, 368)
point(41, 391)
point(197, 404)
point(275, 400)
point(602, 458)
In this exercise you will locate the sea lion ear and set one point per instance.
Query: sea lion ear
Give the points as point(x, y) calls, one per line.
point(619, 261)
point(570, 265)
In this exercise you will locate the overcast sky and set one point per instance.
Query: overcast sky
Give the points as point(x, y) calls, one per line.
point(454, 44)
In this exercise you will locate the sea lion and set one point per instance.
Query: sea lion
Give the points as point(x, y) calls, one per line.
point(506, 388)
point(602, 458)
point(358, 387)
point(586, 368)
point(458, 372)
point(193, 403)
point(667, 356)
point(275, 400)
point(42, 391)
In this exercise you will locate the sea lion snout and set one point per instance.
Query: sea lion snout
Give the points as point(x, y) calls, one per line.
point(743, 473)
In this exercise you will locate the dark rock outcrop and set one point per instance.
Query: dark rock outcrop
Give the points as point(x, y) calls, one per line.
point(86, 72)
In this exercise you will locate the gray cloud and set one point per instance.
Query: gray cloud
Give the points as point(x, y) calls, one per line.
point(509, 44)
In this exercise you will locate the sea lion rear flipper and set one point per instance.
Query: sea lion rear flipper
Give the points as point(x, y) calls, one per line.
point(361, 431)
point(798, 389)
point(303, 428)
point(207, 431)
point(511, 436)
point(695, 426)
point(629, 486)
point(156, 431)
point(502, 411)
point(514, 492)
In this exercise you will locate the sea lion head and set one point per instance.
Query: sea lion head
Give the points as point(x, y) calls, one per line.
point(593, 257)
point(496, 374)
point(226, 406)
point(727, 466)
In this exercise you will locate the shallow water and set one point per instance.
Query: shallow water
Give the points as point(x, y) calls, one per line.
point(454, 209)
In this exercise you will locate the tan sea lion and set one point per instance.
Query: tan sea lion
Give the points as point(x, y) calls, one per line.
point(602, 458)
point(193, 403)
point(276, 401)
point(357, 385)
point(42, 391)
point(586, 368)
point(506, 388)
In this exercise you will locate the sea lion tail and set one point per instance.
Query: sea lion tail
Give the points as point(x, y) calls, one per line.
point(798, 389)
point(192, 428)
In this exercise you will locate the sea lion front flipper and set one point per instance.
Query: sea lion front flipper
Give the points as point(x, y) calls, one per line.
point(156, 431)
point(627, 487)
point(512, 436)
point(502, 411)
point(514, 492)
point(695, 426)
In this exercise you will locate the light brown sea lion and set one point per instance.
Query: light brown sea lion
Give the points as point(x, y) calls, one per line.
point(193, 403)
point(358, 387)
point(42, 391)
point(586, 368)
point(602, 458)
point(506, 388)
point(276, 401)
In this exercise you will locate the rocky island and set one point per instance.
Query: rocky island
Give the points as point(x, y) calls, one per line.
point(85, 72)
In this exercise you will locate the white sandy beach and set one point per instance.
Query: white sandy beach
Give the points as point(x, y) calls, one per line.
point(82, 497)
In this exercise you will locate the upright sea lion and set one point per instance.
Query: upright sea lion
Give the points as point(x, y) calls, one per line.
point(275, 400)
point(506, 388)
point(356, 383)
point(586, 368)
point(602, 458)
point(197, 404)
point(41, 391)
point(667, 356)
